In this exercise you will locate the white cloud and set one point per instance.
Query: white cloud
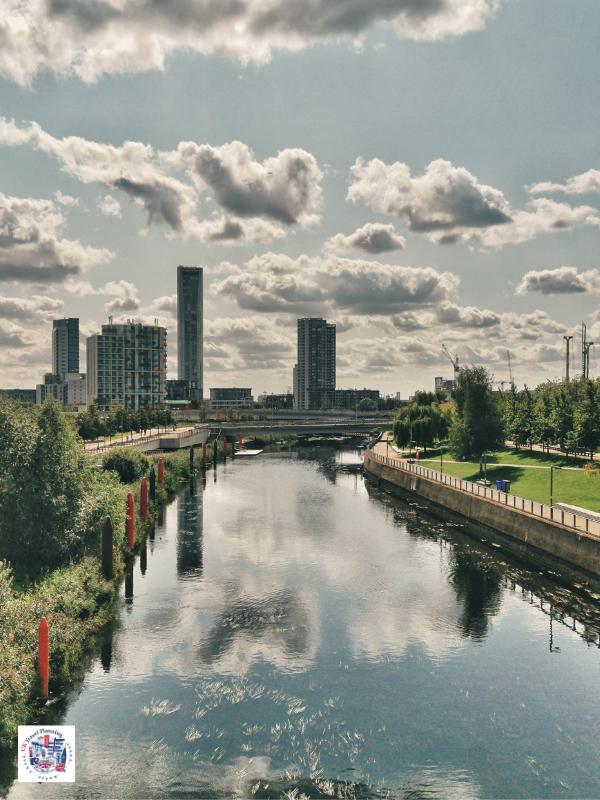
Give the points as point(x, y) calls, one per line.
point(562, 280)
point(585, 183)
point(258, 201)
point(284, 189)
point(449, 204)
point(373, 238)
point(275, 282)
point(543, 216)
point(446, 202)
point(66, 200)
point(37, 307)
point(12, 336)
point(76, 37)
point(125, 297)
point(31, 247)
point(467, 316)
point(109, 206)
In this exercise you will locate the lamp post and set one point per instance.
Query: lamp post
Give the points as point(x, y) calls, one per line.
point(552, 468)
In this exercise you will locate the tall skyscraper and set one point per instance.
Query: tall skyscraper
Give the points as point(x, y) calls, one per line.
point(65, 347)
point(314, 374)
point(190, 332)
point(127, 365)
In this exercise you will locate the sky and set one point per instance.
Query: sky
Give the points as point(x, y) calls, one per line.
point(419, 172)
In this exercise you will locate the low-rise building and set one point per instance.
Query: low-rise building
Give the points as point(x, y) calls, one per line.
point(181, 390)
point(70, 389)
point(350, 398)
point(445, 386)
point(19, 395)
point(276, 400)
point(233, 397)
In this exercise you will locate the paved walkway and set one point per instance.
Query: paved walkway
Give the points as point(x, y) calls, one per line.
point(117, 441)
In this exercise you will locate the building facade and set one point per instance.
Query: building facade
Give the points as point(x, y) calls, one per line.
point(234, 397)
point(70, 389)
point(276, 400)
point(445, 386)
point(65, 347)
point(190, 328)
point(315, 370)
point(127, 365)
point(350, 398)
point(19, 395)
point(181, 390)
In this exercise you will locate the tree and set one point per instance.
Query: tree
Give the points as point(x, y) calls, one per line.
point(477, 426)
point(421, 424)
point(586, 417)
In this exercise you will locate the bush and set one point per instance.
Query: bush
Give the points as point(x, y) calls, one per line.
point(128, 464)
point(52, 500)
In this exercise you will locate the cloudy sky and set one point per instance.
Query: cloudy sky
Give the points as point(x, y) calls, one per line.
point(418, 171)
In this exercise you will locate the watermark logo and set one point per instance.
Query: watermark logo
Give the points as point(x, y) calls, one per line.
point(46, 755)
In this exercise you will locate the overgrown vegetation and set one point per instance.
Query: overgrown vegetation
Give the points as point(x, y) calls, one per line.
point(76, 601)
point(127, 463)
point(52, 500)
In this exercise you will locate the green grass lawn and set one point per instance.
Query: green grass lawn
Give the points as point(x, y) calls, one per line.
point(570, 486)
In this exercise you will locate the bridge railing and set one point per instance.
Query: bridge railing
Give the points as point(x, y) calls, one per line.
point(524, 505)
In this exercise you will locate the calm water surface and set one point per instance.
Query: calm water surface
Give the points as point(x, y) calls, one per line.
point(297, 630)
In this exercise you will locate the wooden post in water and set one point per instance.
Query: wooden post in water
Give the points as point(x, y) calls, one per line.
point(43, 656)
point(152, 482)
point(107, 549)
point(191, 459)
point(204, 455)
point(144, 498)
point(225, 448)
point(161, 471)
point(130, 521)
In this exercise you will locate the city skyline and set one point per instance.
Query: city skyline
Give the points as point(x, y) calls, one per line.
point(367, 171)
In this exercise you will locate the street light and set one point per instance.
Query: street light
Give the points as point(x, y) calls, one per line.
point(552, 468)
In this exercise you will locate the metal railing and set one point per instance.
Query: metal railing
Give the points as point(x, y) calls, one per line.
point(521, 504)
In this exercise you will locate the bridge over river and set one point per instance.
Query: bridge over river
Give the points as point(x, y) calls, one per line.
point(196, 435)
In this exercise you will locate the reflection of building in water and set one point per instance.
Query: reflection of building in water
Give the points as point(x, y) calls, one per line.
point(189, 532)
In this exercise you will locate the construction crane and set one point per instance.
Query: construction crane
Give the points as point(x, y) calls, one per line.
point(453, 361)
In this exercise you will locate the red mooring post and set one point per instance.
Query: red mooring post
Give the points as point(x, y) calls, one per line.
point(130, 521)
point(204, 453)
point(161, 470)
point(144, 498)
point(224, 448)
point(241, 439)
point(43, 656)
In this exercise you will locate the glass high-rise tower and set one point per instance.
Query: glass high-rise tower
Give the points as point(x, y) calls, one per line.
point(190, 332)
point(65, 346)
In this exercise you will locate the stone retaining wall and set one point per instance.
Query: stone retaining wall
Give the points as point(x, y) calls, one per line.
point(577, 548)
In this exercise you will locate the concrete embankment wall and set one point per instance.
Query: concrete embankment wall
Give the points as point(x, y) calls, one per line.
point(576, 548)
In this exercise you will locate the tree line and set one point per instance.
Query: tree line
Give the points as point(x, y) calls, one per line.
point(479, 419)
point(91, 423)
point(555, 414)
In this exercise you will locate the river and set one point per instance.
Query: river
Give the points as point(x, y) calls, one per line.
point(294, 629)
